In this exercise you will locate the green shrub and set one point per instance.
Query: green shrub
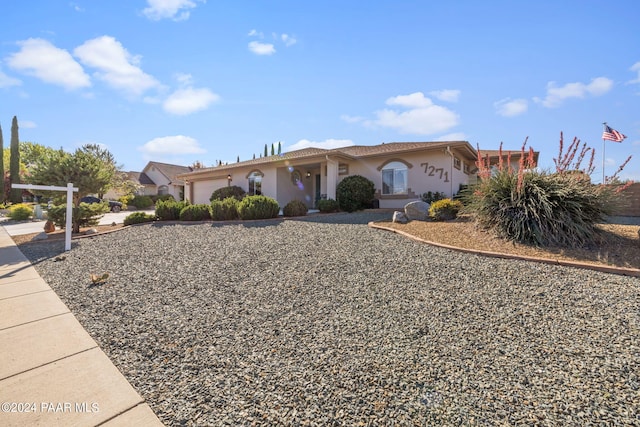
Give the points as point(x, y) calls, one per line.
point(126, 199)
point(430, 197)
point(295, 208)
point(224, 210)
point(225, 192)
point(139, 218)
point(258, 207)
point(195, 213)
point(141, 202)
point(328, 205)
point(163, 197)
point(444, 209)
point(169, 210)
point(86, 215)
point(20, 212)
point(355, 193)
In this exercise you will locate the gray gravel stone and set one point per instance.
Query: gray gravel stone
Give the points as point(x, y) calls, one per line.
point(323, 321)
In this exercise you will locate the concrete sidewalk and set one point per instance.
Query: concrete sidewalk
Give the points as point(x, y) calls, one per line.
point(51, 371)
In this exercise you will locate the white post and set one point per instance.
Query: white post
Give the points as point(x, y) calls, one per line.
point(67, 230)
point(70, 189)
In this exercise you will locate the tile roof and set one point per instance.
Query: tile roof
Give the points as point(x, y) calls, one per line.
point(170, 171)
point(353, 151)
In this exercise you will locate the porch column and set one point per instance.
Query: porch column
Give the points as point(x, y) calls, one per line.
point(332, 178)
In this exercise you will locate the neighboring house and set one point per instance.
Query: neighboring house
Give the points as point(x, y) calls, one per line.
point(512, 155)
point(157, 179)
point(400, 171)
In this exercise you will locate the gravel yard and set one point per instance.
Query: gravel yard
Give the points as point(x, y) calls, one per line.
point(325, 321)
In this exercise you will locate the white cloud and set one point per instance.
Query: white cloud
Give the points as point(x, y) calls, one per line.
point(327, 144)
point(172, 145)
point(556, 95)
point(448, 95)
point(508, 107)
point(116, 66)
point(288, 40)
point(41, 59)
point(455, 136)
point(635, 68)
point(27, 124)
point(189, 100)
point(171, 9)
point(6, 81)
point(351, 119)
point(261, 48)
point(255, 33)
point(422, 116)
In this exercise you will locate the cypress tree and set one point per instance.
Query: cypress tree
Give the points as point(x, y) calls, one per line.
point(273, 150)
point(279, 148)
point(2, 195)
point(254, 156)
point(14, 162)
point(238, 159)
point(265, 150)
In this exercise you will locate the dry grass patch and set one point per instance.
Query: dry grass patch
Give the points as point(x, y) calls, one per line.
point(618, 245)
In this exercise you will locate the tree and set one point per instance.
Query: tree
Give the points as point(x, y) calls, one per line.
point(14, 162)
point(265, 150)
point(2, 197)
point(273, 150)
point(279, 148)
point(90, 168)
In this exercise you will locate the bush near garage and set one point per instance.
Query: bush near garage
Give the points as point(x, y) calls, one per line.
point(169, 210)
point(195, 213)
point(224, 210)
point(258, 207)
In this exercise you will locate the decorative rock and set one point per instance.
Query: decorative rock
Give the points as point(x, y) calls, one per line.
point(40, 236)
point(418, 210)
point(49, 227)
point(91, 231)
point(400, 217)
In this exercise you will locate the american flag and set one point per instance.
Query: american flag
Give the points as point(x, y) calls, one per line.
point(611, 134)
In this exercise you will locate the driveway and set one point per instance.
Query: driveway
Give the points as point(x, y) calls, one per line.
point(36, 226)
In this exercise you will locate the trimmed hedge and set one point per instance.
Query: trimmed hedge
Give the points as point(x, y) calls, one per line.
point(258, 207)
point(141, 202)
point(224, 210)
point(355, 193)
point(139, 218)
point(169, 210)
point(20, 212)
point(328, 205)
point(195, 213)
point(225, 192)
point(295, 208)
point(444, 209)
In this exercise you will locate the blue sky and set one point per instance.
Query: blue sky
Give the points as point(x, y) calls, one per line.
point(180, 81)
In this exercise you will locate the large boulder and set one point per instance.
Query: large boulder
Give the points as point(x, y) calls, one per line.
point(399, 217)
point(418, 210)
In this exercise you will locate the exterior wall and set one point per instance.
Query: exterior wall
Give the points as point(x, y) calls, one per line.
point(201, 190)
point(156, 176)
point(630, 201)
point(429, 171)
point(288, 190)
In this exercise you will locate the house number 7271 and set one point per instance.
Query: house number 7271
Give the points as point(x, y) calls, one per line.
point(431, 170)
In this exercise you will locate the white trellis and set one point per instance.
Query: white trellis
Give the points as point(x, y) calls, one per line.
point(70, 189)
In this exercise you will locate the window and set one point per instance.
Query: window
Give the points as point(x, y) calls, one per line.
point(255, 184)
point(343, 169)
point(162, 190)
point(456, 163)
point(394, 178)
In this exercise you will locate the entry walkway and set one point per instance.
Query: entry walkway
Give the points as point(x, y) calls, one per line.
point(51, 371)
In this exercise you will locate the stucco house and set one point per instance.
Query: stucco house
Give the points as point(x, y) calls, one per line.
point(401, 172)
point(157, 179)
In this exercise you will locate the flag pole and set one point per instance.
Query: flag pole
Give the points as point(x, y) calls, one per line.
point(605, 123)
